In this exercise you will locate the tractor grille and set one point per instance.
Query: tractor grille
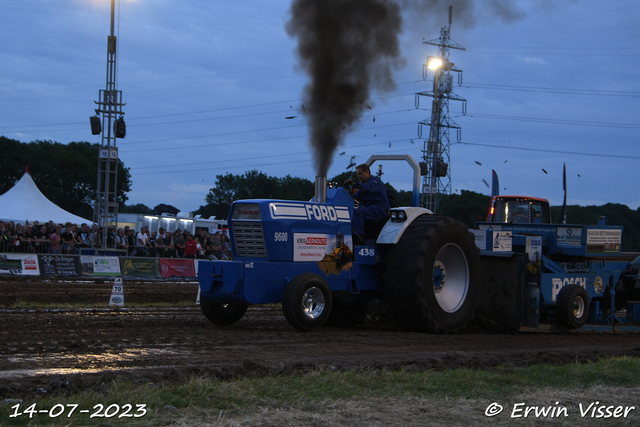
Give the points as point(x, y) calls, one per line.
point(249, 239)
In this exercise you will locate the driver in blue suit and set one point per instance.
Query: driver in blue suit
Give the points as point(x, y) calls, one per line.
point(374, 204)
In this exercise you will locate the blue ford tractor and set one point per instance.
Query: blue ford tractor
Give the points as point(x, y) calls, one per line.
point(429, 272)
point(424, 268)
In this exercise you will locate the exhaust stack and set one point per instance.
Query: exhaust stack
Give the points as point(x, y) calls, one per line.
point(321, 189)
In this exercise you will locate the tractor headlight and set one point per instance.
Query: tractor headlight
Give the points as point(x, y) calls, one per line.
point(398, 216)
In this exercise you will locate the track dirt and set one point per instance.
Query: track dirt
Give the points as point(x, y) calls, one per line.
point(47, 350)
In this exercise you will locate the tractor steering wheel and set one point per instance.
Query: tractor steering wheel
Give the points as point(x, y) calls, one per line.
point(350, 186)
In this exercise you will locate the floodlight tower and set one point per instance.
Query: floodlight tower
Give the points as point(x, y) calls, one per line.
point(105, 211)
point(436, 156)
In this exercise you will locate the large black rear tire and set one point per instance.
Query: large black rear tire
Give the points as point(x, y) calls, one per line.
point(432, 276)
point(572, 307)
point(222, 314)
point(307, 301)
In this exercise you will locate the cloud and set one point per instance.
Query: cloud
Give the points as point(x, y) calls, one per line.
point(189, 188)
point(535, 61)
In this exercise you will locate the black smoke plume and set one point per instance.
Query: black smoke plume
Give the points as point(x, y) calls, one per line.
point(349, 47)
point(346, 47)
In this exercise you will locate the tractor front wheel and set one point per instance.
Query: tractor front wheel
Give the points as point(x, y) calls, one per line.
point(307, 301)
point(222, 314)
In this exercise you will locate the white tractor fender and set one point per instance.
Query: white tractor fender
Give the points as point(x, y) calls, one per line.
point(393, 230)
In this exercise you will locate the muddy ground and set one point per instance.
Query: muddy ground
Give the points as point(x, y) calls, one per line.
point(45, 350)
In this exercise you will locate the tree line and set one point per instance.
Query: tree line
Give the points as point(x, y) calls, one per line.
point(67, 175)
point(468, 206)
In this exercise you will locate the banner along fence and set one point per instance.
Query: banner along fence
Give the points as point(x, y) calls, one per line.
point(96, 266)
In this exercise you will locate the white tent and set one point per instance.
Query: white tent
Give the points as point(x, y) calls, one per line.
point(24, 202)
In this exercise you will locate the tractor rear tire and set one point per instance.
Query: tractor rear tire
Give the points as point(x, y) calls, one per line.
point(307, 301)
point(432, 276)
point(572, 307)
point(222, 314)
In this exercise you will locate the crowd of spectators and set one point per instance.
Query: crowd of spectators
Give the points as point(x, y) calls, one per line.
point(176, 244)
point(51, 238)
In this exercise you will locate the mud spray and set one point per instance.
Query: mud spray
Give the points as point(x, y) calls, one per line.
point(351, 47)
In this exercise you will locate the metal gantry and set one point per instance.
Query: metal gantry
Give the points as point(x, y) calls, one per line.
point(105, 213)
point(436, 155)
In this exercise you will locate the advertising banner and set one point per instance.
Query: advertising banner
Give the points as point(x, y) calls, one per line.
point(139, 267)
point(100, 266)
point(606, 241)
point(176, 267)
point(20, 264)
point(310, 247)
point(569, 237)
point(59, 265)
point(502, 241)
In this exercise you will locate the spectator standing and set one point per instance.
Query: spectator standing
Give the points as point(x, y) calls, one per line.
point(27, 241)
point(121, 241)
point(41, 239)
point(190, 247)
point(69, 243)
point(67, 227)
point(142, 242)
point(200, 249)
point(153, 244)
point(10, 236)
point(179, 244)
point(84, 236)
point(111, 237)
point(216, 246)
point(18, 246)
point(131, 242)
point(226, 246)
point(36, 237)
point(54, 241)
point(169, 248)
point(160, 247)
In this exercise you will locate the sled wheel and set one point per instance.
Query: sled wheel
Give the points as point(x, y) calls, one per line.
point(432, 276)
point(572, 306)
point(222, 314)
point(307, 302)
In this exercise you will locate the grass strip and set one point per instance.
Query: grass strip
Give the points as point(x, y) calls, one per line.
point(367, 397)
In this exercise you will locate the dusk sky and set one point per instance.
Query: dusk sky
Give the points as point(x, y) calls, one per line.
point(211, 88)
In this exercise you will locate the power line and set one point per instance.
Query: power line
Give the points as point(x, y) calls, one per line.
point(592, 92)
point(557, 121)
point(542, 150)
point(264, 130)
point(249, 131)
point(576, 153)
point(259, 157)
